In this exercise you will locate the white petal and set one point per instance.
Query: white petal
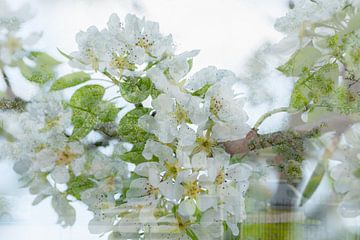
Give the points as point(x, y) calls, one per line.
point(60, 174)
point(187, 207)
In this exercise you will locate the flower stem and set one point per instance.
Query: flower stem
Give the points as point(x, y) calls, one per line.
point(112, 78)
point(269, 114)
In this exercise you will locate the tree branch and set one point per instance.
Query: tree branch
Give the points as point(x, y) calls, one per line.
point(253, 141)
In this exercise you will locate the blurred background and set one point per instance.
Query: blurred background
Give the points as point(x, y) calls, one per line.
point(226, 31)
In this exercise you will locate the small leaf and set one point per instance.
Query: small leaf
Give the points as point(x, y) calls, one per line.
point(87, 97)
point(133, 157)
point(36, 74)
point(202, 91)
point(314, 87)
point(129, 129)
point(303, 59)
point(42, 72)
point(107, 112)
point(83, 123)
point(136, 89)
point(70, 80)
point(83, 102)
point(43, 59)
point(78, 184)
point(313, 183)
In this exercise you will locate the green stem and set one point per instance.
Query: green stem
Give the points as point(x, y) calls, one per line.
point(269, 114)
point(114, 98)
point(111, 77)
point(191, 234)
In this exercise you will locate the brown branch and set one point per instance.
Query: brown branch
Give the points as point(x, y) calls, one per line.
point(254, 141)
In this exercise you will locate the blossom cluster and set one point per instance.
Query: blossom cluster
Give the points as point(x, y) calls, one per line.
point(49, 164)
point(184, 177)
point(167, 164)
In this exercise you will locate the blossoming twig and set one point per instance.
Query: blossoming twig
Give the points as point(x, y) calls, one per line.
point(269, 114)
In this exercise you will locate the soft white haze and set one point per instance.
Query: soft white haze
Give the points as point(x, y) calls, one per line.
point(226, 32)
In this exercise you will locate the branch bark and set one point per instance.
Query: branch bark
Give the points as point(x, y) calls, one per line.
point(254, 141)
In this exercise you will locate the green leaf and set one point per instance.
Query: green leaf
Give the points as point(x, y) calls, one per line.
point(35, 74)
point(89, 109)
point(84, 123)
point(202, 91)
point(313, 87)
point(70, 80)
point(133, 157)
point(83, 102)
point(78, 184)
point(43, 59)
point(129, 129)
point(87, 97)
point(303, 59)
point(42, 72)
point(107, 112)
point(136, 89)
point(313, 183)
point(154, 92)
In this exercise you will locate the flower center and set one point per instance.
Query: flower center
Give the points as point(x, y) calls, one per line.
point(151, 190)
point(50, 123)
point(220, 178)
point(204, 144)
point(172, 170)
point(181, 115)
point(215, 106)
point(121, 63)
point(66, 156)
point(13, 44)
point(192, 189)
point(144, 43)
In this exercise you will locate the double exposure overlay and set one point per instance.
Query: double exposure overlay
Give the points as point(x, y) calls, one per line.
point(156, 150)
